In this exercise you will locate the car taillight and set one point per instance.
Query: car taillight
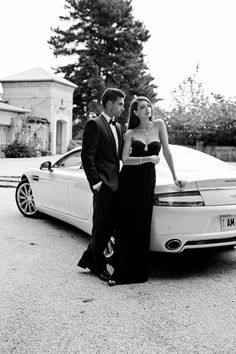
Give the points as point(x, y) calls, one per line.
point(179, 199)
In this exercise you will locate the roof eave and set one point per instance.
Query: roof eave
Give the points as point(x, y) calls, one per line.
point(70, 84)
point(14, 110)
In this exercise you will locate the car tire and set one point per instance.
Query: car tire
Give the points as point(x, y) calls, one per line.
point(25, 200)
point(109, 251)
point(228, 248)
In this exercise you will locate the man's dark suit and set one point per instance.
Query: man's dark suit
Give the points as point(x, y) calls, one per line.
point(101, 164)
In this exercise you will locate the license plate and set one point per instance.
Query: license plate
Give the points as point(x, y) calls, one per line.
point(228, 222)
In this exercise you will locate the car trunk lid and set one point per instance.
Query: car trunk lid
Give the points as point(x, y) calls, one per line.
point(221, 191)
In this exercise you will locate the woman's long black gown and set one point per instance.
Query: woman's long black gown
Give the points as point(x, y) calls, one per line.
point(136, 195)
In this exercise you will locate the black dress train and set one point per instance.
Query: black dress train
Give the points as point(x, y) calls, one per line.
point(132, 240)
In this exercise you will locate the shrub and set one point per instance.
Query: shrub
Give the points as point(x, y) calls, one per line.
point(17, 149)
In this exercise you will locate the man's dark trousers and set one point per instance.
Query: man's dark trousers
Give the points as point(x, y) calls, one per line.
point(104, 218)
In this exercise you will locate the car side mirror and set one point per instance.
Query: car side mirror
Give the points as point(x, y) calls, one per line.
point(47, 165)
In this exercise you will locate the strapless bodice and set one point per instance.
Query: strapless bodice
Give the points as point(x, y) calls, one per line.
point(139, 148)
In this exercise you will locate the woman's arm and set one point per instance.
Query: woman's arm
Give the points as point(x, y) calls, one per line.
point(166, 151)
point(128, 160)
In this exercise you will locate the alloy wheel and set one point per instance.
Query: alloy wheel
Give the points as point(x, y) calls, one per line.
point(25, 199)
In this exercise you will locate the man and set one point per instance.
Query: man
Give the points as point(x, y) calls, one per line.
point(101, 152)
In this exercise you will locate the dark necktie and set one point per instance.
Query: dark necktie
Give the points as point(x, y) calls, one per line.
point(113, 122)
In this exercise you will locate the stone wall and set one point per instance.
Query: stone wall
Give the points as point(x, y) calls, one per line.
point(32, 131)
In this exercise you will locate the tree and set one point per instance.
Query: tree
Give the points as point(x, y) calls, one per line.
point(197, 117)
point(191, 109)
point(106, 43)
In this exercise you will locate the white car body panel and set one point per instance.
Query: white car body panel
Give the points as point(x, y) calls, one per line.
point(65, 194)
point(79, 191)
point(195, 224)
point(54, 190)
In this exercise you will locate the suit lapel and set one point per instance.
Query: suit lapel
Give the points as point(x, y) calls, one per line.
point(110, 134)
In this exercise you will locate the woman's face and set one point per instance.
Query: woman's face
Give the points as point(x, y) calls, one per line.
point(144, 110)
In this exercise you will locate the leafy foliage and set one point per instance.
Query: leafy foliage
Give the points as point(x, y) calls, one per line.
point(197, 117)
point(17, 149)
point(105, 46)
point(218, 131)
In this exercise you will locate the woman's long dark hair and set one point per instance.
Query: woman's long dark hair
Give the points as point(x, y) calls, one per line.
point(134, 121)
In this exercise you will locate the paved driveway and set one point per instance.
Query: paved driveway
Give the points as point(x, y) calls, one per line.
point(50, 306)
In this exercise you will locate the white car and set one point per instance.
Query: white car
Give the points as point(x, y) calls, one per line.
point(200, 215)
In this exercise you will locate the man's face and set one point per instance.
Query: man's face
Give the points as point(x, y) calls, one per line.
point(117, 107)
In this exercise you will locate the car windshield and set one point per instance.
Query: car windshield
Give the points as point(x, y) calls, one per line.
point(72, 160)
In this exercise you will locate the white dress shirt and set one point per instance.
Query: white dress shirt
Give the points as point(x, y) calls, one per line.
point(113, 129)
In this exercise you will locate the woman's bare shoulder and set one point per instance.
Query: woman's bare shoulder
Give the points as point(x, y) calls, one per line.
point(129, 134)
point(158, 122)
point(159, 125)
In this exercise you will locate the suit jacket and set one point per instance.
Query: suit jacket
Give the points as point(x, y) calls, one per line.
point(99, 154)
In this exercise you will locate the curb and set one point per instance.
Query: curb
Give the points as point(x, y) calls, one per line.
point(9, 181)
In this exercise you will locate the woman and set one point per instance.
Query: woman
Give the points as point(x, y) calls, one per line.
point(143, 142)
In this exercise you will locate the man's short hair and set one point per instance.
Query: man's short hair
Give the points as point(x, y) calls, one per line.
point(111, 94)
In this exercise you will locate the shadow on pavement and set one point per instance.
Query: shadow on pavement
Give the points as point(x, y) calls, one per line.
point(68, 229)
point(192, 262)
point(197, 263)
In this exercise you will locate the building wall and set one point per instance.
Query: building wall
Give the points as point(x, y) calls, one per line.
point(35, 96)
point(6, 132)
point(50, 100)
point(61, 110)
point(6, 117)
point(27, 130)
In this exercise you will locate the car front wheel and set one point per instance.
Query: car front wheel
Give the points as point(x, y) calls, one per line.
point(25, 200)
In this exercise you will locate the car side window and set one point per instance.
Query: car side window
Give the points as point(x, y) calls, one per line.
point(72, 160)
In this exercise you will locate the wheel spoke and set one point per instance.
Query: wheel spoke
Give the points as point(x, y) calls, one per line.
point(24, 188)
point(23, 203)
point(32, 206)
point(29, 208)
point(29, 205)
point(22, 193)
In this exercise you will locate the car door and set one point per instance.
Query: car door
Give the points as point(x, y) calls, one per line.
point(54, 184)
point(80, 195)
point(54, 190)
point(66, 188)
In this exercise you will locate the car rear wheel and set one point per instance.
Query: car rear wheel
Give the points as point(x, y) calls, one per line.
point(25, 200)
point(109, 250)
point(228, 248)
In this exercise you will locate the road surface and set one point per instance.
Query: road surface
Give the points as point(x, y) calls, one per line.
point(48, 305)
